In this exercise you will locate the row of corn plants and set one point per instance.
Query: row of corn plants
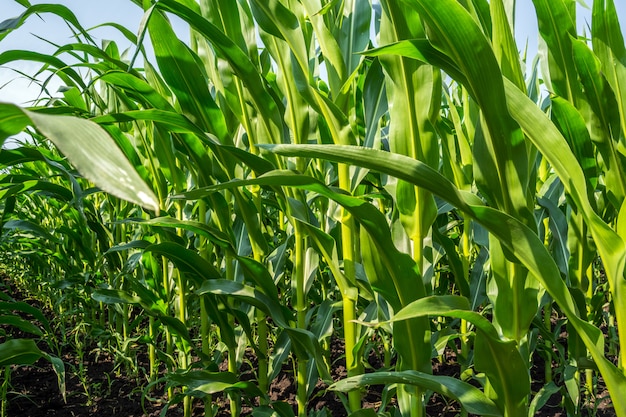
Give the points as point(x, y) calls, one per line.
point(299, 171)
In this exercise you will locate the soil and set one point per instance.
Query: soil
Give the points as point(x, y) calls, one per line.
point(105, 390)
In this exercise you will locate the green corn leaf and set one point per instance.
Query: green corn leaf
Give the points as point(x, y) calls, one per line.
point(304, 342)
point(42, 187)
point(89, 148)
point(186, 260)
point(177, 327)
point(148, 299)
point(30, 227)
point(235, 24)
point(401, 267)
point(178, 67)
point(327, 247)
point(142, 89)
point(97, 53)
point(306, 346)
point(25, 308)
point(178, 123)
point(257, 272)
point(546, 137)
point(214, 235)
point(59, 369)
point(375, 103)
point(271, 306)
point(413, 93)
point(521, 242)
point(603, 122)
point(504, 44)
point(19, 352)
point(471, 398)
point(354, 34)
point(61, 11)
point(502, 159)
point(548, 140)
point(135, 244)
point(454, 262)
point(69, 76)
point(499, 359)
point(175, 122)
point(265, 103)
point(202, 383)
point(128, 34)
point(276, 19)
point(20, 323)
point(598, 91)
point(112, 296)
point(608, 45)
point(329, 46)
point(10, 24)
point(9, 157)
point(166, 158)
point(542, 397)
point(572, 125)
point(246, 209)
point(456, 146)
point(557, 27)
point(383, 279)
point(558, 228)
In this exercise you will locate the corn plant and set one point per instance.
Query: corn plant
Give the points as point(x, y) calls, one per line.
point(302, 169)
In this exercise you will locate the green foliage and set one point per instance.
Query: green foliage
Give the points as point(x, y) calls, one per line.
point(410, 198)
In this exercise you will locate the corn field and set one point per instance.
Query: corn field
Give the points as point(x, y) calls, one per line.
point(396, 176)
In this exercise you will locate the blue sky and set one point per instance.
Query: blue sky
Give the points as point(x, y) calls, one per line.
point(94, 12)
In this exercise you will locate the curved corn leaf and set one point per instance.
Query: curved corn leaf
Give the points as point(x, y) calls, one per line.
point(20, 323)
point(271, 306)
point(212, 234)
point(265, 102)
point(557, 27)
point(608, 45)
point(88, 147)
point(504, 45)
point(501, 159)
point(401, 288)
point(499, 359)
point(142, 89)
point(548, 140)
point(176, 122)
point(69, 76)
point(572, 125)
point(44, 187)
point(28, 226)
point(25, 308)
point(186, 260)
point(305, 343)
point(201, 383)
point(522, 244)
point(58, 9)
point(19, 352)
point(178, 66)
point(59, 369)
point(470, 397)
